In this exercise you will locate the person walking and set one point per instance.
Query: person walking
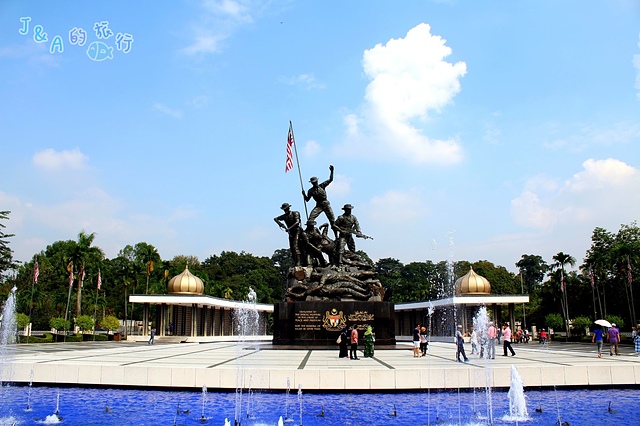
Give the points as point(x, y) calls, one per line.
point(474, 341)
point(424, 341)
point(614, 339)
point(636, 340)
point(152, 336)
point(354, 343)
point(344, 341)
point(416, 341)
point(506, 339)
point(597, 339)
point(369, 339)
point(492, 334)
point(460, 345)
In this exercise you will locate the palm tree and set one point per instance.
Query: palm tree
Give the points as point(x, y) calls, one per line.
point(147, 255)
point(561, 260)
point(82, 254)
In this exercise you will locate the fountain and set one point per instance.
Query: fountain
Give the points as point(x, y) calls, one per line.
point(517, 402)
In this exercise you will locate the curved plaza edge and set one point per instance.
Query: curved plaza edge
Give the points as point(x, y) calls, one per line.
point(218, 364)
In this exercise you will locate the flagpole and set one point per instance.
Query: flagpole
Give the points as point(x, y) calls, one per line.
point(66, 311)
point(95, 307)
point(36, 272)
point(295, 148)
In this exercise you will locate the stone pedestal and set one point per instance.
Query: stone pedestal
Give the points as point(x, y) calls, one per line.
point(320, 323)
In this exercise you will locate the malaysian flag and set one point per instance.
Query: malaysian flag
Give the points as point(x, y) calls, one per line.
point(290, 141)
point(36, 273)
point(70, 269)
point(99, 280)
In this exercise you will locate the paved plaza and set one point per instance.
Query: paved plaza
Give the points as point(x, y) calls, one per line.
point(223, 365)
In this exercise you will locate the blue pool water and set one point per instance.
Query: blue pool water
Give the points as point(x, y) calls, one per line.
point(82, 406)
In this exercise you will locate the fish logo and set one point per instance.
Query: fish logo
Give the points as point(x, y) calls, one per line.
point(98, 51)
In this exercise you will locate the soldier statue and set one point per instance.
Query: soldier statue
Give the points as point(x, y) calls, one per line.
point(290, 222)
point(319, 194)
point(347, 225)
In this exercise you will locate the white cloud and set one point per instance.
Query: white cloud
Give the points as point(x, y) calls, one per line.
point(311, 149)
point(636, 65)
point(341, 186)
point(581, 138)
point(307, 81)
point(397, 207)
point(50, 159)
point(217, 21)
point(410, 82)
point(602, 194)
point(175, 113)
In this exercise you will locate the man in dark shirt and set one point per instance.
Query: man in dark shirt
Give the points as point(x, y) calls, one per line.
point(416, 341)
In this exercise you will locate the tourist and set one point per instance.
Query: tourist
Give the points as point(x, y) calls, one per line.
point(492, 334)
point(460, 345)
point(152, 336)
point(543, 336)
point(343, 341)
point(474, 341)
point(614, 339)
point(597, 339)
point(506, 340)
point(416, 341)
point(369, 339)
point(424, 341)
point(354, 343)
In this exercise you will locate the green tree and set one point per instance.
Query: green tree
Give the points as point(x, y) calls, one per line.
point(554, 321)
point(60, 323)
point(562, 259)
point(84, 323)
point(110, 323)
point(532, 270)
point(147, 257)
point(84, 254)
point(580, 325)
point(22, 320)
point(6, 254)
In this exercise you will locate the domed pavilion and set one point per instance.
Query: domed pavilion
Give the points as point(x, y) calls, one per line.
point(185, 311)
point(470, 292)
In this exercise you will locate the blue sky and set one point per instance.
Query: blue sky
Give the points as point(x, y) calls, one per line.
point(459, 130)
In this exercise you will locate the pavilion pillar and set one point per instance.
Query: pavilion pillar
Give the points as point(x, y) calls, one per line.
point(145, 319)
point(194, 320)
point(512, 317)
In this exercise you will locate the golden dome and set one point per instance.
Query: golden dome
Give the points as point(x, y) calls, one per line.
point(472, 283)
point(185, 283)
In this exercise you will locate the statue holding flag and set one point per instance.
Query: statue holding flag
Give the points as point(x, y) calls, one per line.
point(319, 194)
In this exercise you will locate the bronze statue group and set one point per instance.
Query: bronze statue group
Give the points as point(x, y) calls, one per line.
point(326, 267)
point(310, 244)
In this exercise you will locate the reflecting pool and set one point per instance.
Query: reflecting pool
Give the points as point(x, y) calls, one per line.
point(25, 405)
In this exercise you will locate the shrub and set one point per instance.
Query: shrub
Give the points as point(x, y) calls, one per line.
point(110, 323)
point(22, 320)
point(554, 321)
point(614, 319)
point(60, 323)
point(84, 323)
point(46, 338)
point(580, 324)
